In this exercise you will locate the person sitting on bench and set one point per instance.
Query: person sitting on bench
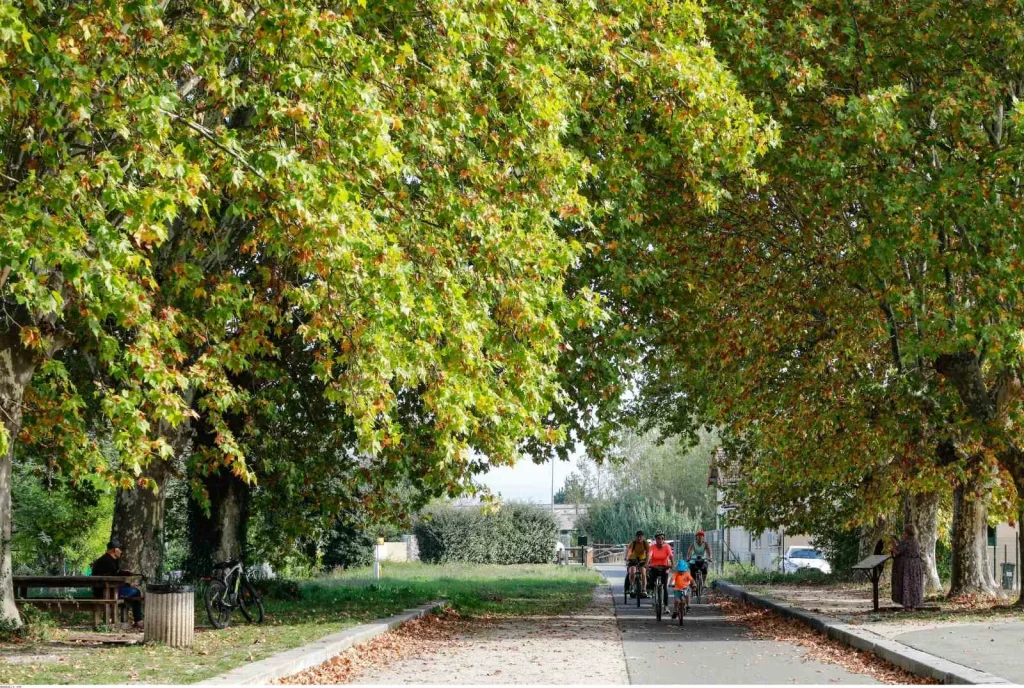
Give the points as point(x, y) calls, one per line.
point(110, 565)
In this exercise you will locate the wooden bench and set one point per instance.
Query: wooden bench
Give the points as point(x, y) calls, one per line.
point(109, 603)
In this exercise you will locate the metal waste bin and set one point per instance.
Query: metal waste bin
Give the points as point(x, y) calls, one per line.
point(170, 614)
point(1008, 575)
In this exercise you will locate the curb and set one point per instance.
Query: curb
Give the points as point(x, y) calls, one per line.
point(300, 659)
point(913, 660)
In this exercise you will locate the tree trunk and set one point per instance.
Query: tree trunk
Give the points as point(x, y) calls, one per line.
point(139, 523)
point(221, 535)
point(970, 540)
point(1020, 546)
point(16, 369)
point(139, 512)
point(922, 509)
point(870, 535)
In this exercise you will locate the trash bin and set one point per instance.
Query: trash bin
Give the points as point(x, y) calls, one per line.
point(1008, 575)
point(170, 614)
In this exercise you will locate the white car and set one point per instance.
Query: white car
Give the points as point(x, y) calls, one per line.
point(803, 557)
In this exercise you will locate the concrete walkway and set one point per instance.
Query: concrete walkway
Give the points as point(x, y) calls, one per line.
point(577, 648)
point(708, 649)
point(992, 647)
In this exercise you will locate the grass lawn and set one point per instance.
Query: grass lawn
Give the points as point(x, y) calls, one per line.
point(327, 605)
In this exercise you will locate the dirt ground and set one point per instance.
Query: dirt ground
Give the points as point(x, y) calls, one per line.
point(584, 647)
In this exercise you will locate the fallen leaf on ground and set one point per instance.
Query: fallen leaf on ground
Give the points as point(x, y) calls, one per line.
point(425, 635)
point(767, 625)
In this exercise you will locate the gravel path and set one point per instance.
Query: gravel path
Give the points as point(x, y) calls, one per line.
point(579, 648)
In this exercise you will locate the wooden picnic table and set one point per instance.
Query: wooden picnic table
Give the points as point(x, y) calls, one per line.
point(108, 602)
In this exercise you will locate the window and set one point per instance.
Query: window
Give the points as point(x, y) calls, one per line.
point(805, 554)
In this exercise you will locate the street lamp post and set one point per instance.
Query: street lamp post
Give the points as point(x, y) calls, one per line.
point(552, 485)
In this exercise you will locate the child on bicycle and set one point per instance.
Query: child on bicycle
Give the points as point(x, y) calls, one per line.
point(682, 582)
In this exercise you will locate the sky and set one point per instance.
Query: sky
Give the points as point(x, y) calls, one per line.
point(527, 481)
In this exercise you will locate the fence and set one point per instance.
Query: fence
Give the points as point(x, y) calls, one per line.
point(576, 556)
point(616, 554)
point(610, 554)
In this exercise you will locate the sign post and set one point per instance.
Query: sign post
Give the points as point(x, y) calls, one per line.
point(872, 567)
point(376, 558)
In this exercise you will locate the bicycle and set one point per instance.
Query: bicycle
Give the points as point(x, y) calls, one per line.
point(633, 587)
point(229, 589)
point(659, 573)
point(681, 608)
point(698, 577)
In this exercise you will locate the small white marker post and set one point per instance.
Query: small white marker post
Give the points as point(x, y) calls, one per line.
point(376, 558)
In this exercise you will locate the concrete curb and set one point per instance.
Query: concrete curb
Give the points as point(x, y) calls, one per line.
point(915, 661)
point(300, 659)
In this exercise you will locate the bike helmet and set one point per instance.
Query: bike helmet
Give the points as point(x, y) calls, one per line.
point(658, 535)
point(682, 566)
point(700, 533)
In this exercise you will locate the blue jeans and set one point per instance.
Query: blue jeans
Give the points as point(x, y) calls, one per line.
point(133, 595)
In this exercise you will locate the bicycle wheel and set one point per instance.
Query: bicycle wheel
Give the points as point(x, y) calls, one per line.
point(657, 599)
point(217, 606)
point(638, 587)
point(682, 610)
point(249, 603)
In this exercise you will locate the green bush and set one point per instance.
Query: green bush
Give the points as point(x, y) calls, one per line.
point(944, 561)
point(516, 534)
point(347, 546)
point(617, 521)
point(744, 574)
point(841, 547)
point(277, 589)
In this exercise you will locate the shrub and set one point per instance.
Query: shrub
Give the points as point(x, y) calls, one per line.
point(841, 547)
point(516, 534)
point(277, 589)
point(617, 521)
point(944, 561)
point(347, 546)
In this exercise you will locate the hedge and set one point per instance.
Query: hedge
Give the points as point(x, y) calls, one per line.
point(515, 534)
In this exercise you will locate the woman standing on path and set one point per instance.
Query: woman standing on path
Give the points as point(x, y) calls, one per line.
point(908, 571)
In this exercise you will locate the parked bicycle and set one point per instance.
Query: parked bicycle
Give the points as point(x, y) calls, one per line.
point(229, 589)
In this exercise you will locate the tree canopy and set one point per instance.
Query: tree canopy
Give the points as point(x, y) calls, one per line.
point(226, 222)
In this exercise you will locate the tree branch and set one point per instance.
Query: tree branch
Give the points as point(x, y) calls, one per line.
point(894, 341)
point(212, 138)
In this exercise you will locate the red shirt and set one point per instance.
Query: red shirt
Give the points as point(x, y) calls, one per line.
point(660, 555)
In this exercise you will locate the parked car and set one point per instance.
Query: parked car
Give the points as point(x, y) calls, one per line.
point(803, 557)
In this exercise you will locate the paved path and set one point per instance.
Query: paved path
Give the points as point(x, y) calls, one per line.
point(992, 647)
point(579, 648)
point(708, 649)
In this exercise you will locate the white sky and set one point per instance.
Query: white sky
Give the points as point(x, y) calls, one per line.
point(527, 481)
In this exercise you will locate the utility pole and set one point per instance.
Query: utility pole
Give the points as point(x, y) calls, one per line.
point(552, 486)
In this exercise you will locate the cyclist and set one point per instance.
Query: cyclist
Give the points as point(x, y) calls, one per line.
point(700, 555)
point(636, 560)
point(660, 561)
point(682, 582)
